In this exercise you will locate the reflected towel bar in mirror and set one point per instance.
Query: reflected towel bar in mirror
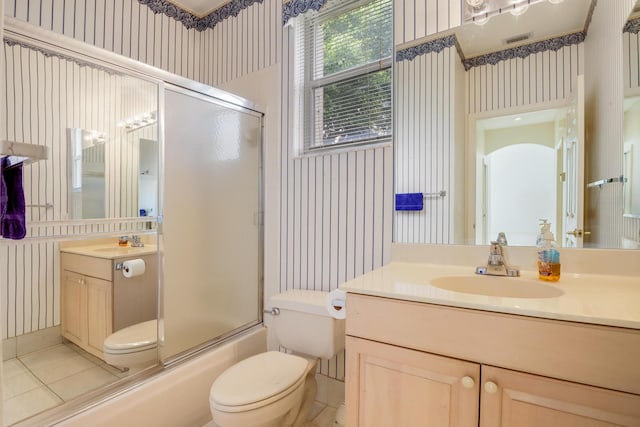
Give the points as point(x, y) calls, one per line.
point(20, 152)
point(601, 182)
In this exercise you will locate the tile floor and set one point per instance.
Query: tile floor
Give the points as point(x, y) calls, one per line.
point(322, 416)
point(43, 379)
point(40, 380)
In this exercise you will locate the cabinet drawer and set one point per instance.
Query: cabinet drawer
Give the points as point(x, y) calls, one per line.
point(89, 266)
point(590, 354)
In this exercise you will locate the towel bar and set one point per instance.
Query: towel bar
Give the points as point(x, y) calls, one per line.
point(441, 193)
point(601, 182)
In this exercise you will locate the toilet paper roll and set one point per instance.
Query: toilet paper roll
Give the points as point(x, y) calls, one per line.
point(133, 268)
point(337, 304)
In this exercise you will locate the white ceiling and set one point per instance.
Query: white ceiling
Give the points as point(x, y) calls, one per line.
point(541, 21)
point(523, 119)
point(199, 8)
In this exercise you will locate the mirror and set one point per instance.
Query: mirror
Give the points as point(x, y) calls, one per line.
point(517, 163)
point(99, 126)
point(86, 182)
point(631, 116)
point(632, 157)
point(113, 173)
point(512, 65)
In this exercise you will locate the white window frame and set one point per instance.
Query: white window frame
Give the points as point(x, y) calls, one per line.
point(307, 85)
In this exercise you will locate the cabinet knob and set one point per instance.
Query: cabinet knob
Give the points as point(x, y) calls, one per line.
point(490, 387)
point(467, 382)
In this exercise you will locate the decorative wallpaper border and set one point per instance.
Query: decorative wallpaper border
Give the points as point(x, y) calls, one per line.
point(523, 51)
point(493, 58)
point(632, 26)
point(189, 20)
point(49, 54)
point(293, 8)
point(436, 45)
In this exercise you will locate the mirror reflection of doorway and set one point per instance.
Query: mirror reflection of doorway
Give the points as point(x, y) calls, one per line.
point(521, 189)
point(520, 180)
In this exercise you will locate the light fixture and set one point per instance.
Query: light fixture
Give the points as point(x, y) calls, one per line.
point(555, 1)
point(139, 121)
point(479, 11)
point(477, 4)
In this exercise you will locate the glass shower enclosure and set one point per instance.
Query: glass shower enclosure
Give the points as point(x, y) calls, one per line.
point(211, 228)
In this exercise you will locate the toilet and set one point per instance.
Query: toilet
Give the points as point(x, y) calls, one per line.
point(132, 346)
point(276, 389)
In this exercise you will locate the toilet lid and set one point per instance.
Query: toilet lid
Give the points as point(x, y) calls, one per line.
point(258, 378)
point(138, 337)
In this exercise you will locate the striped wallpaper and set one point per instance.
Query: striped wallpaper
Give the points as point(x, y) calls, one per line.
point(536, 79)
point(415, 19)
point(122, 26)
point(242, 45)
point(429, 143)
point(44, 96)
point(235, 47)
point(335, 213)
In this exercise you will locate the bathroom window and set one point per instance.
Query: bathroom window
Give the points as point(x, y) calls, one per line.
point(345, 74)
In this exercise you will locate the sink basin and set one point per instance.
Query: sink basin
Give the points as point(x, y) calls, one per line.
point(496, 286)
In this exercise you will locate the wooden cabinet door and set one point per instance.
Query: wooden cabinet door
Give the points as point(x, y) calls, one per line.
point(99, 314)
point(398, 387)
point(73, 303)
point(526, 400)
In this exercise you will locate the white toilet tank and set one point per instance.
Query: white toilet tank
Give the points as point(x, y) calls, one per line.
point(304, 324)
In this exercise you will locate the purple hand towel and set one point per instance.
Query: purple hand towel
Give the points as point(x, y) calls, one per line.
point(12, 206)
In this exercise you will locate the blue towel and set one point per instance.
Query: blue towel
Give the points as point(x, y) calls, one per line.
point(12, 206)
point(409, 202)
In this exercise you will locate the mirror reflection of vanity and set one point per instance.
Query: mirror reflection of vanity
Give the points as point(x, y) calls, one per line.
point(100, 129)
point(451, 83)
point(75, 275)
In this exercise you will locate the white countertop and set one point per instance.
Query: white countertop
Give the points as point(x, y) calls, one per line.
point(588, 298)
point(110, 250)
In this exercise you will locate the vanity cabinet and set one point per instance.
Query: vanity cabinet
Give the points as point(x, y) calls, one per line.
point(419, 364)
point(96, 300)
point(86, 301)
point(87, 305)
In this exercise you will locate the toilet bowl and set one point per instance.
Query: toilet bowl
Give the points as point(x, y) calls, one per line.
point(135, 345)
point(276, 389)
point(265, 390)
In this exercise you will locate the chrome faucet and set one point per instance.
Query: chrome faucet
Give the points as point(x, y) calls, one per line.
point(135, 241)
point(498, 263)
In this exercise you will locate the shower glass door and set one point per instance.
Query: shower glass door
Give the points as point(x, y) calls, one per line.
point(211, 232)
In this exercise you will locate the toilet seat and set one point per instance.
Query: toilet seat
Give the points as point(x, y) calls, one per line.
point(133, 346)
point(132, 339)
point(258, 381)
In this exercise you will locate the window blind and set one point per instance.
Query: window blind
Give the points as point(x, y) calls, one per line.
point(344, 67)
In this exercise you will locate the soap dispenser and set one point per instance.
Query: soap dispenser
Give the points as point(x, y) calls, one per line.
point(548, 254)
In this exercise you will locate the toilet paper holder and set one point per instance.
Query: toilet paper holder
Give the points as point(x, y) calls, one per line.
point(118, 266)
